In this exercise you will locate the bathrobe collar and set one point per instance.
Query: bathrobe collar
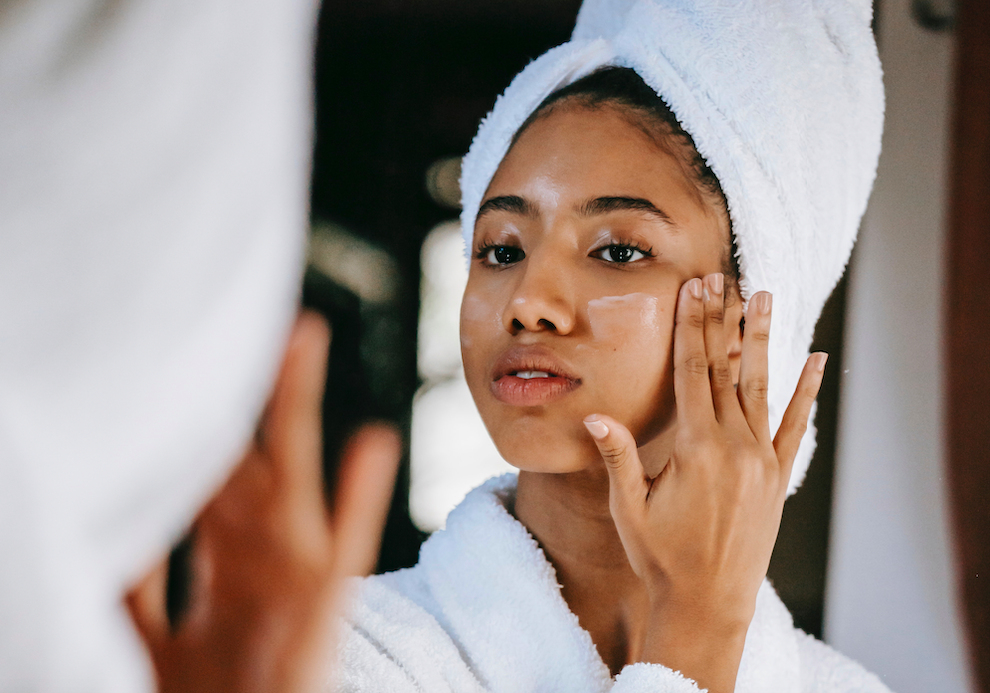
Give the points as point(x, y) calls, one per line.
point(499, 599)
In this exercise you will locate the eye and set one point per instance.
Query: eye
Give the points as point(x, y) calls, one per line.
point(620, 253)
point(501, 254)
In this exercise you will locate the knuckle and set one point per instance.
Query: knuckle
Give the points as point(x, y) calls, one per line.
point(743, 482)
point(721, 377)
point(700, 446)
point(754, 468)
point(795, 426)
point(695, 364)
point(710, 450)
point(810, 390)
point(612, 453)
point(694, 319)
point(760, 335)
point(756, 389)
point(715, 316)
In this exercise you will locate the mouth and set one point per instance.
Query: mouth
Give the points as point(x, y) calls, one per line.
point(530, 377)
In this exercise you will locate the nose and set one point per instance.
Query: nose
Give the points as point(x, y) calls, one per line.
point(541, 301)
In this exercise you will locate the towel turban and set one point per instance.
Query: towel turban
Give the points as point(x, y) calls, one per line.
point(784, 100)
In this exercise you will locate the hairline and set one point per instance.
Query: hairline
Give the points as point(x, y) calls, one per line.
point(659, 133)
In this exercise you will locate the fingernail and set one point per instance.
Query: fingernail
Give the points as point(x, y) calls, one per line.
point(596, 428)
point(762, 302)
point(715, 281)
point(818, 360)
point(694, 286)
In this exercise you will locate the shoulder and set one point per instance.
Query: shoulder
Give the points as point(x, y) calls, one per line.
point(392, 642)
point(824, 670)
point(780, 657)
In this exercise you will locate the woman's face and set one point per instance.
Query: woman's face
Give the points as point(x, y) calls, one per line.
point(585, 235)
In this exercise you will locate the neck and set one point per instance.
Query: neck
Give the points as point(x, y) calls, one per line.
point(568, 514)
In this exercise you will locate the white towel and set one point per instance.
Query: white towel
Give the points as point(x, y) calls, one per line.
point(153, 193)
point(482, 612)
point(784, 100)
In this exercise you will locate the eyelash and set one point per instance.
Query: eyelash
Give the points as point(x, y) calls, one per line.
point(487, 248)
point(635, 247)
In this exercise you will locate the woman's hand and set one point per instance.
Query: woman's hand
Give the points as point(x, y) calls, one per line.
point(700, 534)
point(268, 556)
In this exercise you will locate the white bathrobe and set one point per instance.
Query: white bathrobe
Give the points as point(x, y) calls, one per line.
point(482, 611)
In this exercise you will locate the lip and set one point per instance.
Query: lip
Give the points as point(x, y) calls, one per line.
point(508, 388)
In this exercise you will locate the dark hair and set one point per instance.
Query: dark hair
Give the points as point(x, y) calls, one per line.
point(623, 87)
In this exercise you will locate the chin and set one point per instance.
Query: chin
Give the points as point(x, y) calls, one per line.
point(540, 446)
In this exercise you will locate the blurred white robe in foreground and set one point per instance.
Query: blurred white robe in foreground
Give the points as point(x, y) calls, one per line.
point(154, 169)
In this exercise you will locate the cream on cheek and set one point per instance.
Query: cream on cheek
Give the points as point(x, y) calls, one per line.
point(614, 319)
point(629, 337)
point(478, 316)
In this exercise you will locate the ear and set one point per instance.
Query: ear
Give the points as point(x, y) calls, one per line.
point(734, 333)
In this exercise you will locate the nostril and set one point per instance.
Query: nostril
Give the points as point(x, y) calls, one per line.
point(541, 324)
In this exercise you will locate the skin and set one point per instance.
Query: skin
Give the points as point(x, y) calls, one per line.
point(559, 164)
point(269, 556)
point(653, 485)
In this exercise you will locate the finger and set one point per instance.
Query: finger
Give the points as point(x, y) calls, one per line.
point(795, 421)
point(628, 486)
point(365, 481)
point(692, 389)
point(146, 604)
point(292, 426)
point(720, 375)
point(753, 369)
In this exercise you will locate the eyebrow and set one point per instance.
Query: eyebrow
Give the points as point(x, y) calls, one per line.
point(606, 205)
point(508, 203)
point(515, 204)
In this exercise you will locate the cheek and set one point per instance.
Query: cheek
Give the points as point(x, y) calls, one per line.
point(631, 338)
point(622, 351)
point(481, 332)
point(480, 319)
point(614, 320)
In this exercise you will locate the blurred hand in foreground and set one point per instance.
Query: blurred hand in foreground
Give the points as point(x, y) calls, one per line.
point(269, 557)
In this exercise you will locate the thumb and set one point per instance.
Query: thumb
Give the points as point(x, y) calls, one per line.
point(618, 448)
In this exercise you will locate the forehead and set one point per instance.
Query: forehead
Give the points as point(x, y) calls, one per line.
point(588, 151)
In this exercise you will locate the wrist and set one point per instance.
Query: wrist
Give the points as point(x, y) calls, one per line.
point(705, 645)
point(721, 616)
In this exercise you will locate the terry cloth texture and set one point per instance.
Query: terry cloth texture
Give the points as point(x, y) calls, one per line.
point(784, 100)
point(482, 612)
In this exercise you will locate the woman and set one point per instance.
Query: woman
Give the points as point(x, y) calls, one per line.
point(605, 344)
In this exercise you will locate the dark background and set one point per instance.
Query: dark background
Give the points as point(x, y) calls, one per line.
point(399, 85)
